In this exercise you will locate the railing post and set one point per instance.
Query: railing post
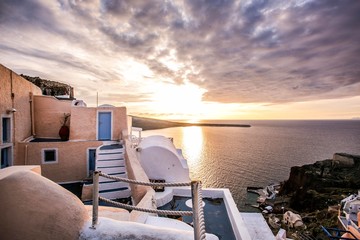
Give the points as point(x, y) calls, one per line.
point(196, 210)
point(95, 199)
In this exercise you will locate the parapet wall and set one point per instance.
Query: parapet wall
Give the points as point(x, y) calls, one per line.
point(49, 115)
point(143, 195)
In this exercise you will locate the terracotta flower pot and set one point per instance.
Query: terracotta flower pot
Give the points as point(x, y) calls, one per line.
point(64, 133)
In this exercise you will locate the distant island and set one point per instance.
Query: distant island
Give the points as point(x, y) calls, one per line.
point(151, 124)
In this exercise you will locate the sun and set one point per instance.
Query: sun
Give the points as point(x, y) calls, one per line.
point(184, 101)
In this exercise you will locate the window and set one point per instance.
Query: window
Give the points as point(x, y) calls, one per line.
point(6, 131)
point(49, 155)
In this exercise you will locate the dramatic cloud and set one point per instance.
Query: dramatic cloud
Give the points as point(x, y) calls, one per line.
point(257, 51)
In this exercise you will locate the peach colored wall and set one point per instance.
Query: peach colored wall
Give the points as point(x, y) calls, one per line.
point(10, 82)
point(5, 89)
point(83, 123)
point(72, 159)
point(49, 114)
point(120, 122)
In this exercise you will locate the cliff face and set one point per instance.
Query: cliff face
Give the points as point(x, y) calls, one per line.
point(51, 88)
point(321, 184)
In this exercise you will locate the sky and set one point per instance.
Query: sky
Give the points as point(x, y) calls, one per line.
point(193, 59)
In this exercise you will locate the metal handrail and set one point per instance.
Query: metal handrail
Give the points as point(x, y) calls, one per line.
point(196, 195)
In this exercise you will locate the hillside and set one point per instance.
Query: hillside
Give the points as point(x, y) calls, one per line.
point(150, 124)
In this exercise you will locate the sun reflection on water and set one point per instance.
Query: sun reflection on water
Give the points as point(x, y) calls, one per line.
point(192, 142)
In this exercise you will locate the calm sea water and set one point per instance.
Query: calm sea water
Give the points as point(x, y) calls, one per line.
point(236, 158)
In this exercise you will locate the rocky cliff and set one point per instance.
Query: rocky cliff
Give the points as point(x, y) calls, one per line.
point(51, 88)
point(315, 190)
point(311, 186)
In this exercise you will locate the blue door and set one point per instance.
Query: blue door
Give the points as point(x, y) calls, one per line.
point(5, 157)
point(104, 127)
point(91, 160)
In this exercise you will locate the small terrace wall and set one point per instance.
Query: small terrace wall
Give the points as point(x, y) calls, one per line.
point(49, 115)
point(143, 195)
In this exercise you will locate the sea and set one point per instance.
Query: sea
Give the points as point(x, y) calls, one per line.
point(238, 157)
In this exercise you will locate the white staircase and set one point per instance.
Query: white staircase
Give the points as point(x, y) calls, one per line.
point(110, 160)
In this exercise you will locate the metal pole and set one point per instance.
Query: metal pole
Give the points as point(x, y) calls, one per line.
point(195, 203)
point(97, 99)
point(95, 199)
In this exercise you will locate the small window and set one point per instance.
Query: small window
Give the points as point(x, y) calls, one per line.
point(49, 155)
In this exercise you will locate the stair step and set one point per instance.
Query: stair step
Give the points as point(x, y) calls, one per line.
point(112, 185)
point(110, 153)
point(114, 159)
point(110, 164)
point(109, 156)
point(104, 179)
point(112, 170)
point(111, 146)
point(125, 193)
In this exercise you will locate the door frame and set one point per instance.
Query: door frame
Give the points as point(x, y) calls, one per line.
point(111, 123)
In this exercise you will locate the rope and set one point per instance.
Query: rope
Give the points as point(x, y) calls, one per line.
point(201, 224)
point(160, 212)
point(201, 214)
point(145, 183)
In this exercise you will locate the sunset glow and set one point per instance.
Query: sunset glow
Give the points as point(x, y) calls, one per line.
point(193, 60)
point(182, 100)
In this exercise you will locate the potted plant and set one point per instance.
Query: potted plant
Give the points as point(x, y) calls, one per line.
point(64, 131)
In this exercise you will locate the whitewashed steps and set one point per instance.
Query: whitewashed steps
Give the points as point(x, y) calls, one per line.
point(110, 160)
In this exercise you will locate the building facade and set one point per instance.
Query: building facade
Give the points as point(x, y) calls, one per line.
point(30, 125)
point(16, 103)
